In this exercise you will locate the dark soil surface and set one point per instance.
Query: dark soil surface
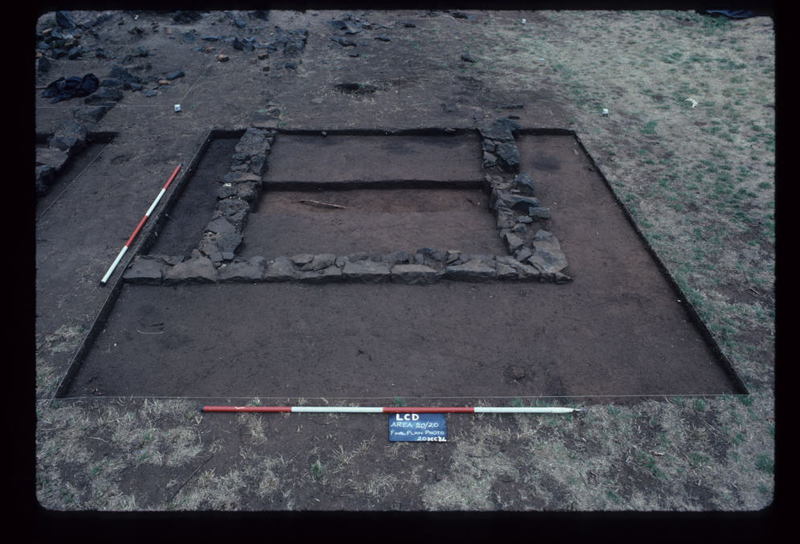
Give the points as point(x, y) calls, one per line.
point(318, 159)
point(372, 221)
point(445, 340)
point(617, 329)
point(183, 225)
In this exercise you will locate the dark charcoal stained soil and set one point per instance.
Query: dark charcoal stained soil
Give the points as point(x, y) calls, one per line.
point(617, 329)
point(184, 224)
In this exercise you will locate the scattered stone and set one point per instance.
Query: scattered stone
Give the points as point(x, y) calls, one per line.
point(466, 57)
point(52, 157)
point(89, 114)
point(70, 137)
point(348, 25)
point(263, 55)
point(150, 92)
point(516, 373)
point(104, 96)
point(280, 269)
point(121, 74)
point(145, 270)
point(294, 41)
point(174, 75)
point(222, 58)
point(251, 270)
point(44, 176)
point(291, 65)
point(383, 38)
point(65, 20)
point(413, 274)
point(163, 82)
point(344, 42)
point(472, 270)
point(262, 14)
point(43, 65)
point(186, 17)
point(75, 52)
point(366, 270)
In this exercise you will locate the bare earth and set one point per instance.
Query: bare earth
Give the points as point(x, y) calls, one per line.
point(688, 147)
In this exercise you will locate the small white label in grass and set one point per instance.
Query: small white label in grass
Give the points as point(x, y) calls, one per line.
point(417, 428)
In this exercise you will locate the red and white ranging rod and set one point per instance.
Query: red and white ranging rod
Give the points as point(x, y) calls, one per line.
point(139, 226)
point(397, 409)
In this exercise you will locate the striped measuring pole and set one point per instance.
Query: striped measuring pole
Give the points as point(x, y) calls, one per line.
point(395, 409)
point(139, 226)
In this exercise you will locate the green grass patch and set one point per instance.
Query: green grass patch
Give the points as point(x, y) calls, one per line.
point(649, 127)
point(765, 463)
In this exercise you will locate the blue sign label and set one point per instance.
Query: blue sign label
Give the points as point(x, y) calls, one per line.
point(417, 428)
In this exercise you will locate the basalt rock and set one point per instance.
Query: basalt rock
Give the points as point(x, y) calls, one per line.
point(413, 274)
point(251, 270)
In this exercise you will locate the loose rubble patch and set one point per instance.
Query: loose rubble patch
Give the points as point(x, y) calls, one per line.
point(534, 253)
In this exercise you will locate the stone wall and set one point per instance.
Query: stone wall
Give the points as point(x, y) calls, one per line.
point(534, 253)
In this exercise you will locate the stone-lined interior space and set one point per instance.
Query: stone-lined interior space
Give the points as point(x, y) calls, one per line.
point(346, 222)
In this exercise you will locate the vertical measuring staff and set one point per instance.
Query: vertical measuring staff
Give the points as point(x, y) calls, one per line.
point(139, 226)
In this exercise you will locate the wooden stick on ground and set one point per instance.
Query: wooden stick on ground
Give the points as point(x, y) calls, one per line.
point(319, 204)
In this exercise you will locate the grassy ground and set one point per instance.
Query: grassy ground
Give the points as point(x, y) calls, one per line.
point(699, 180)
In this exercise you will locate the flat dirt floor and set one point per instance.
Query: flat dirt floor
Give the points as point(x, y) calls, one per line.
point(325, 159)
point(372, 221)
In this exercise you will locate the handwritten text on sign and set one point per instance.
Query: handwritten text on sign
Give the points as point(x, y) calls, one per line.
point(417, 428)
